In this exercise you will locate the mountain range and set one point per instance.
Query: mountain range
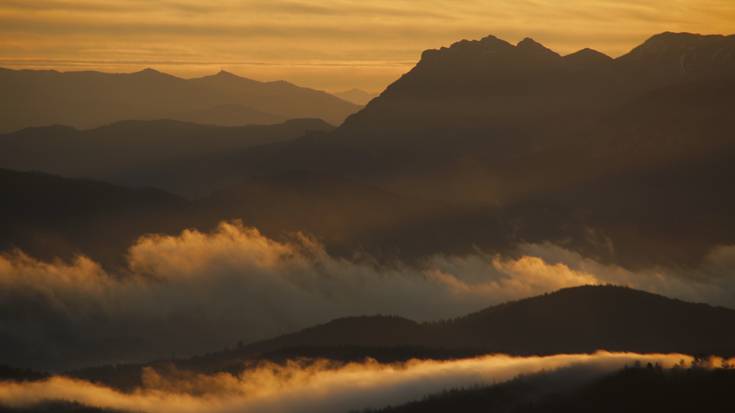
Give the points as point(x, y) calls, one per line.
point(626, 160)
point(93, 99)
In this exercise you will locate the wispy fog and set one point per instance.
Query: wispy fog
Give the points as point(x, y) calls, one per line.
point(318, 386)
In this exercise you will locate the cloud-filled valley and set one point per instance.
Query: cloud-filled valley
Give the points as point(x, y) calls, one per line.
point(196, 292)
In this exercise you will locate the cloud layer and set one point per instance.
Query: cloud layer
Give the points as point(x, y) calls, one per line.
point(332, 44)
point(198, 292)
point(317, 386)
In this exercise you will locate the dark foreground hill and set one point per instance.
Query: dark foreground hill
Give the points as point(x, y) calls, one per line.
point(574, 320)
point(634, 389)
point(93, 99)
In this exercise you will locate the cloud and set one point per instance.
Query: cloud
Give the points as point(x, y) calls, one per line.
point(317, 386)
point(712, 282)
point(197, 292)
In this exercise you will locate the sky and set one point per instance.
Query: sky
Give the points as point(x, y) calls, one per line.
point(327, 44)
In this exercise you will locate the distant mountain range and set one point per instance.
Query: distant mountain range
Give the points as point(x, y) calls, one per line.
point(186, 158)
point(93, 99)
point(574, 320)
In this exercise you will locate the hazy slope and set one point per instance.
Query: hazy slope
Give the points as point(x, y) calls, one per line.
point(189, 159)
point(356, 96)
point(92, 99)
point(48, 216)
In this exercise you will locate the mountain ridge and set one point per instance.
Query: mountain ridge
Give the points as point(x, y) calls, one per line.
point(87, 99)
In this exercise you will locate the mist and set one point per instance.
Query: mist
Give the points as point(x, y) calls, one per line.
point(320, 385)
point(198, 292)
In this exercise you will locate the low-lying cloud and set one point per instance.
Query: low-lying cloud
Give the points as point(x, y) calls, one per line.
point(198, 292)
point(317, 386)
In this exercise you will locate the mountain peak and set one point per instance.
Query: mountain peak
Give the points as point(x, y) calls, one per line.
point(668, 42)
point(494, 42)
point(588, 56)
point(225, 76)
point(149, 72)
point(529, 42)
point(486, 43)
point(532, 46)
point(684, 54)
point(224, 73)
point(678, 37)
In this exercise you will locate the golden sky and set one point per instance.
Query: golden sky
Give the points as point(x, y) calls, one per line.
point(325, 44)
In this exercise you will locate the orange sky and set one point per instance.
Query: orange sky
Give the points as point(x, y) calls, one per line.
point(326, 44)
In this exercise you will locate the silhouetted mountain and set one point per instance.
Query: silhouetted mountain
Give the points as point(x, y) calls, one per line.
point(186, 158)
point(672, 57)
point(573, 320)
point(356, 96)
point(48, 216)
point(518, 130)
point(93, 99)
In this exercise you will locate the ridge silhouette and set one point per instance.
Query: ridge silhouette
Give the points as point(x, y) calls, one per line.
point(92, 99)
point(573, 320)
